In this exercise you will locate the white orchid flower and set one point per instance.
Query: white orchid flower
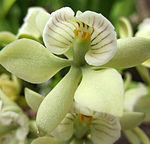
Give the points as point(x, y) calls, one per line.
point(14, 124)
point(64, 29)
point(104, 128)
point(87, 39)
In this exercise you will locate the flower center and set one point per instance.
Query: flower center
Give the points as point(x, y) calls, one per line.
point(81, 44)
point(85, 119)
point(81, 34)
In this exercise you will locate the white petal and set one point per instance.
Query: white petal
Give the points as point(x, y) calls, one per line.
point(6, 118)
point(83, 110)
point(29, 26)
point(64, 130)
point(58, 32)
point(144, 29)
point(103, 38)
point(105, 129)
point(101, 91)
point(133, 95)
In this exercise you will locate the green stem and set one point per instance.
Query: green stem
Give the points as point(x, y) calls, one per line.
point(144, 73)
point(142, 136)
point(132, 138)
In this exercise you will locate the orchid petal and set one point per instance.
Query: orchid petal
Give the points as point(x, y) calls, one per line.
point(125, 28)
point(131, 52)
point(64, 130)
point(46, 140)
point(101, 91)
point(131, 120)
point(143, 29)
point(103, 38)
point(58, 32)
point(30, 61)
point(33, 99)
point(105, 129)
point(41, 20)
point(58, 102)
point(30, 26)
point(6, 38)
point(133, 95)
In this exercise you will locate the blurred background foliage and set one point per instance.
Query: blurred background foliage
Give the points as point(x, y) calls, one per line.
point(12, 12)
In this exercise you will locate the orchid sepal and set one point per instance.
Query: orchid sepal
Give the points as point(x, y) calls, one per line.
point(131, 51)
point(58, 102)
point(36, 64)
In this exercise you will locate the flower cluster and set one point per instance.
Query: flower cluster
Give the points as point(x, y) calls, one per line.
point(88, 41)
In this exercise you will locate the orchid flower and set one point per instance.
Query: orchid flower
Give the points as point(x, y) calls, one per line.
point(88, 40)
point(14, 125)
point(130, 120)
point(32, 27)
point(82, 122)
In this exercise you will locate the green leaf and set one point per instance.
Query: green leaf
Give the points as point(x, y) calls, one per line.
point(101, 91)
point(47, 140)
point(6, 5)
point(33, 99)
point(125, 28)
point(129, 120)
point(6, 38)
point(58, 102)
point(31, 61)
point(131, 52)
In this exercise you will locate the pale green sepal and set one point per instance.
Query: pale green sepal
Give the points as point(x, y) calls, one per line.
point(31, 61)
point(125, 28)
point(130, 120)
point(33, 99)
point(143, 106)
point(133, 95)
point(58, 102)
point(47, 140)
point(7, 104)
point(131, 51)
point(101, 91)
point(6, 38)
point(147, 63)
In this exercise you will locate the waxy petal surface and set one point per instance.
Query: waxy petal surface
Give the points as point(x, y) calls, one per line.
point(30, 61)
point(101, 91)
